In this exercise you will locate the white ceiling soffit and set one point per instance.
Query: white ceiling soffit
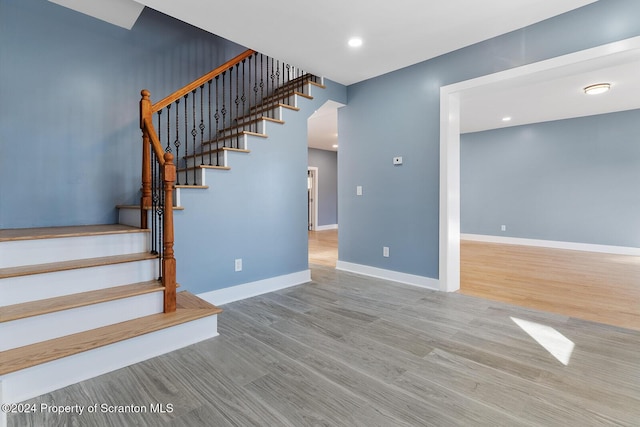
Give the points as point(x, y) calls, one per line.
point(396, 33)
point(322, 127)
point(123, 13)
point(555, 94)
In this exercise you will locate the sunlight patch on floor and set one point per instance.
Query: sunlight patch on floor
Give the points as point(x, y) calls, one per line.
point(553, 341)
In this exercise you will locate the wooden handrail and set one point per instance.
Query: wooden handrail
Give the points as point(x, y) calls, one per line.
point(200, 81)
point(155, 142)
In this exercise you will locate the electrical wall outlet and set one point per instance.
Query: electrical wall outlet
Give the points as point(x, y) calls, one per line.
point(385, 251)
point(397, 160)
point(238, 264)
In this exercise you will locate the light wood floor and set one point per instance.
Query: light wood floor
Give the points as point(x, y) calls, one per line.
point(598, 287)
point(348, 350)
point(593, 286)
point(323, 247)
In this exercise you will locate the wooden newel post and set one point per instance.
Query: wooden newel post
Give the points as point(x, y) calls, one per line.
point(168, 260)
point(145, 198)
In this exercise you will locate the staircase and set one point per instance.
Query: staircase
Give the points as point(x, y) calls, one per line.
point(77, 302)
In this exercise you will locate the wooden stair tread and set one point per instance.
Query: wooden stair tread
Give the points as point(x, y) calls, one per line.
point(26, 270)
point(262, 108)
point(188, 309)
point(70, 231)
point(65, 302)
point(215, 150)
point(276, 98)
point(175, 208)
point(246, 121)
point(200, 187)
point(224, 168)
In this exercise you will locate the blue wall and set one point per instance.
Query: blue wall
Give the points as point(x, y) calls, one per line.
point(397, 114)
point(327, 164)
point(70, 86)
point(257, 211)
point(571, 180)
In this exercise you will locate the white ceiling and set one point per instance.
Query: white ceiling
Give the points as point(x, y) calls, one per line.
point(313, 35)
point(398, 34)
point(555, 95)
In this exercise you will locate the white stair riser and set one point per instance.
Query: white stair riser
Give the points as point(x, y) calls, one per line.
point(29, 383)
point(43, 251)
point(21, 332)
point(16, 290)
point(131, 216)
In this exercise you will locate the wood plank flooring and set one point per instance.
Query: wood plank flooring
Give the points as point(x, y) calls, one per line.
point(323, 247)
point(348, 350)
point(599, 287)
point(592, 286)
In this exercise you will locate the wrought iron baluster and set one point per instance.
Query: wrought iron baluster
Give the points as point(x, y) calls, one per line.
point(262, 83)
point(176, 143)
point(224, 109)
point(237, 101)
point(255, 87)
point(159, 127)
point(168, 147)
point(278, 77)
point(194, 133)
point(217, 117)
point(160, 225)
point(186, 140)
point(243, 98)
point(209, 108)
point(202, 126)
point(154, 202)
point(273, 87)
point(229, 128)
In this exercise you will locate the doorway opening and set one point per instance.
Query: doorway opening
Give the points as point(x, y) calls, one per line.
point(451, 100)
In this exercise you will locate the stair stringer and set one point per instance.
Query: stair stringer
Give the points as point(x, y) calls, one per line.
point(261, 202)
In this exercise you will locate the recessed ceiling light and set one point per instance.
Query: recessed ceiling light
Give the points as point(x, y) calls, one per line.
point(506, 119)
point(597, 88)
point(355, 42)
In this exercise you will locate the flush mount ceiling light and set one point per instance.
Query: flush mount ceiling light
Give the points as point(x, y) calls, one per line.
point(355, 42)
point(597, 88)
point(506, 119)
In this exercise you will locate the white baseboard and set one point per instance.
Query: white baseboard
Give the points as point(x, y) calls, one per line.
point(586, 247)
point(326, 227)
point(252, 289)
point(395, 276)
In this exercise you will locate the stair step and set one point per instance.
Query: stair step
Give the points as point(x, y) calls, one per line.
point(246, 121)
point(15, 234)
point(73, 264)
point(137, 207)
point(20, 247)
point(283, 97)
point(206, 153)
point(189, 307)
point(259, 109)
point(51, 305)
